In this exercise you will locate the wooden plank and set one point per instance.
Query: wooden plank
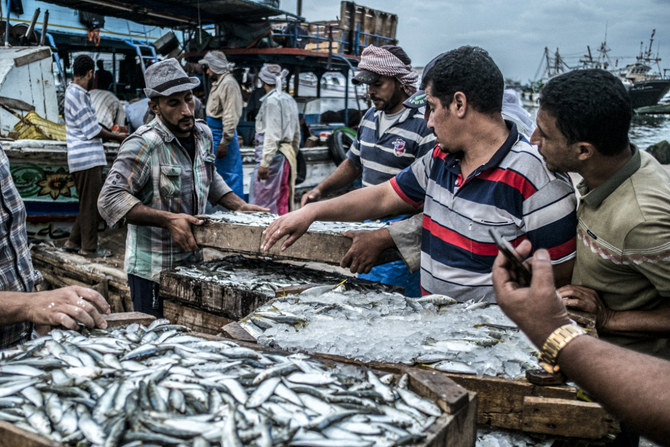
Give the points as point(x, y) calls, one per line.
point(123, 318)
point(16, 104)
point(11, 436)
point(439, 388)
point(32, 57)
point(236, 332)
point(194, 319)
point(61, 269)
point(454, 430)
point(312, 246)
point(501, 400)
point(559, 417)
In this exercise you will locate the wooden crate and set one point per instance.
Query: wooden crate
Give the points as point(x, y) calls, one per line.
point(193, 318)
point(456, 427)
point(371, 21)
point(207, 306)
point(246, 239)
point(512, 404)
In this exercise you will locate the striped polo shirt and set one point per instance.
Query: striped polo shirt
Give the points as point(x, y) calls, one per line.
point(514, 193)
point(84, 151)
point(381, 157)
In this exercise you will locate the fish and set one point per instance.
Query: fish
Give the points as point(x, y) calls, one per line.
point(191, 391)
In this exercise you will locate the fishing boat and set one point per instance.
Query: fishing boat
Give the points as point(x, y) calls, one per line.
point(646, 83)
point(646, 86)
point(320, 55)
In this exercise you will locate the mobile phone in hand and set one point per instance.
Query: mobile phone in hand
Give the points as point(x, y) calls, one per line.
point(514, 264)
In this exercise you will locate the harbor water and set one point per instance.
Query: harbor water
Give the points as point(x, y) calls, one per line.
point(649, 129)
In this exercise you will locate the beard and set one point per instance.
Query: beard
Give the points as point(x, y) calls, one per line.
point(176, 128)
point(392, 103)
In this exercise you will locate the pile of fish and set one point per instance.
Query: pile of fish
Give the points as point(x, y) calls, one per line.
point(265, 219)
point(435, 330)
point(487, 437)
point(263, 276)
point(159, 385)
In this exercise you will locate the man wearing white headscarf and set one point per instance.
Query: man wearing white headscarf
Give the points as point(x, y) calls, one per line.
point(224, 108)
point(390, 137)
point(277, 144)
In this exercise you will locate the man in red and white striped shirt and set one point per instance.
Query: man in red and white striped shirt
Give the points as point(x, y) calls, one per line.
point(483, 174)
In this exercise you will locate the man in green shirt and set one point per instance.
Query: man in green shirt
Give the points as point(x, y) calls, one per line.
point(622, 269)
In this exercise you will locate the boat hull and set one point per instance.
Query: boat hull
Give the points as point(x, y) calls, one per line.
point(39, 170)
point(648, 93)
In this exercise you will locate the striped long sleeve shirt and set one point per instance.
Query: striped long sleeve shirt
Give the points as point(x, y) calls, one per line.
point(84, 150)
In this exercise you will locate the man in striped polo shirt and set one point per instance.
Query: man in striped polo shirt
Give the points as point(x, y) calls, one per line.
point(483, 174)
point(85, 157)
point(390, 137)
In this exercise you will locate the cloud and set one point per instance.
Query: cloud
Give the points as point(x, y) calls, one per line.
point(515, 32)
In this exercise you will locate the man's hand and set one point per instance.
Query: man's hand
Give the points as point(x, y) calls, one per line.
point(67, 307)
point(366, 246)
point(120, 136)
point(537, 310)
point(263, 173)
point(586, 299)
point(179, 226)
point(293, 224)
point(312, 196)
point(222, 149)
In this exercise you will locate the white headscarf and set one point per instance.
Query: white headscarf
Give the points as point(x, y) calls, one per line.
point(217, 62)
point(272, 74)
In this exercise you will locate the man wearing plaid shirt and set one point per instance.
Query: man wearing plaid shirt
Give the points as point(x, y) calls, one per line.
point(20, 307)
point(163, 176)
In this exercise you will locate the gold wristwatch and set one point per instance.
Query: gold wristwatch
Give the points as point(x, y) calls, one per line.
point(552, 346)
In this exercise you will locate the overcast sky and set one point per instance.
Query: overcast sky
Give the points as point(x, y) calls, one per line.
point(515, 32)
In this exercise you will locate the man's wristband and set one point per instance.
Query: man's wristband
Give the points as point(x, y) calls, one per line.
point(553, 345)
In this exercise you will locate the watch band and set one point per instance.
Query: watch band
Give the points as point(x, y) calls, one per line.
point(553, 345)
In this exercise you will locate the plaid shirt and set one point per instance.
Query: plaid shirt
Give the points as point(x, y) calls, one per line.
point(16, 268)
point(153, 168)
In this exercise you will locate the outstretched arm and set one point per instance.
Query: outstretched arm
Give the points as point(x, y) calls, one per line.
point(634, 386)
point(371, 202)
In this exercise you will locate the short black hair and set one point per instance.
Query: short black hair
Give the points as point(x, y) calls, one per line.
point(398, 52)
point(100, 64)
point(82, 65)
point(469, 70)
point(592, 106)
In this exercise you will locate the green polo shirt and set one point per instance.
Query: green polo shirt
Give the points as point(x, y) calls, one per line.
point(623, 248)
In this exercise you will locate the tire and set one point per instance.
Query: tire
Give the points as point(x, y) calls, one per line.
point(339, 142)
